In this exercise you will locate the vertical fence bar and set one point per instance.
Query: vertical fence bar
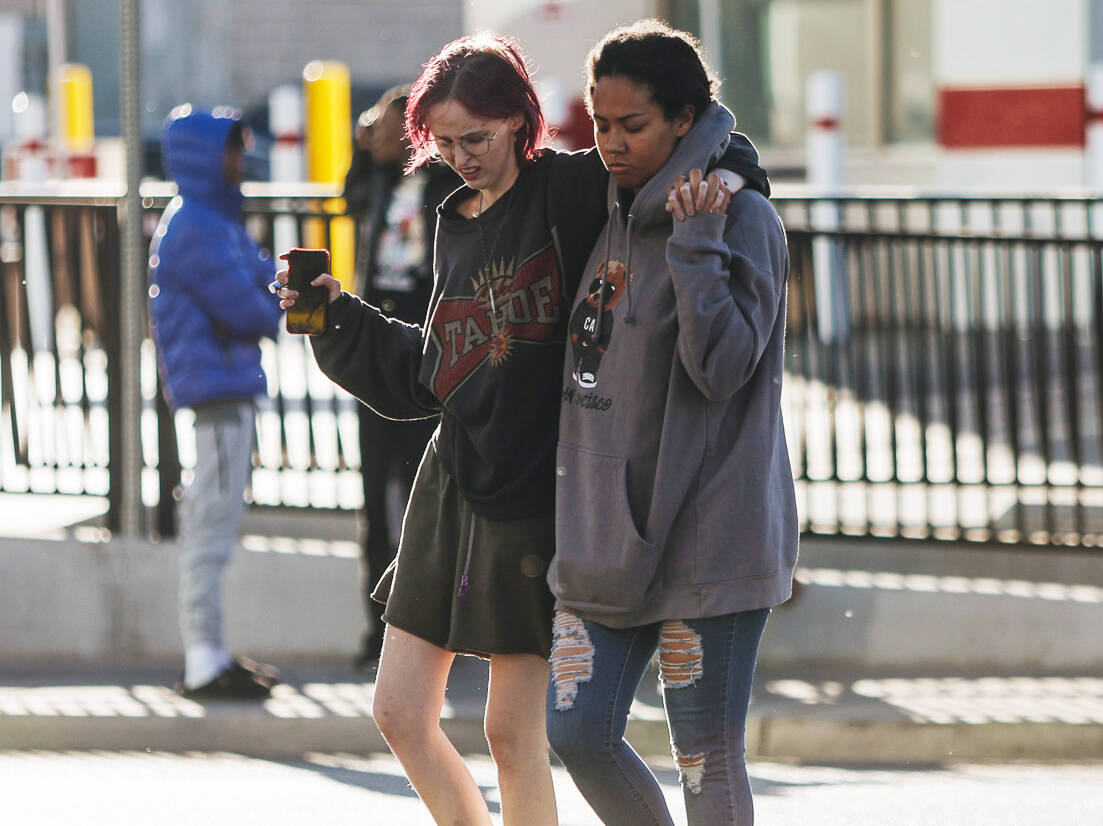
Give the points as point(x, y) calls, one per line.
point(168, 466)
point(860, 370)
point(1095, 334)
point(1040, 370)
point(1012, 328)
point(944, 278)
point(113, 347)
point(1069, 379)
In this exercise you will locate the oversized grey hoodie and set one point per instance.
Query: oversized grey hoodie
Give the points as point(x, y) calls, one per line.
point(674, 494)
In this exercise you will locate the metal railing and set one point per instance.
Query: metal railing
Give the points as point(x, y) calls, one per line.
point(943, 380)
point(307, 452)
point(59, 361)
point(944, 360)
point(56, 329)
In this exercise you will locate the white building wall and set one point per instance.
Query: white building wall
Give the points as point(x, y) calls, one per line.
point(1009, 42)
point(1010, 72)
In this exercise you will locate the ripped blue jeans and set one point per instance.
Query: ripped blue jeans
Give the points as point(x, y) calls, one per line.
point(706, 669)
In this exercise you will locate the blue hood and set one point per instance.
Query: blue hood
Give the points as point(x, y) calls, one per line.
point(192, 148)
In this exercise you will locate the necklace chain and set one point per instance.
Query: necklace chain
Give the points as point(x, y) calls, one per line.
point(488, 266)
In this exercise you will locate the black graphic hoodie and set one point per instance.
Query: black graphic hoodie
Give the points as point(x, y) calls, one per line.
point(674, 494)
point(490, 355)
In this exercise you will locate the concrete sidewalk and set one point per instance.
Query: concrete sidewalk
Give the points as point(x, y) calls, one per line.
point(826, 718)
point(890, 653)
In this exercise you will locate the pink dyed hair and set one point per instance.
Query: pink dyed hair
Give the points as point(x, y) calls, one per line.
point(488, 75)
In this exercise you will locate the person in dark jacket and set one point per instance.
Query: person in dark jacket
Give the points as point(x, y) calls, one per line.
point(676, 520)
point(209, 308)
point(394, 272)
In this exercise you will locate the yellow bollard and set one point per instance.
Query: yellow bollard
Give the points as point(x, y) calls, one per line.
point(74, 87)
point(76, 120)
point(328, 128)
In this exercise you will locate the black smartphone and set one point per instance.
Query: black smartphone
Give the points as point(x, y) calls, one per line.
point(308, 315)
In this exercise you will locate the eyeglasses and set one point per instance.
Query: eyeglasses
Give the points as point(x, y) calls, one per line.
point(474, 145)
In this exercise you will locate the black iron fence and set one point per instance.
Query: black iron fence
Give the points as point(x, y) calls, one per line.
point(58, 257)
point(59, 357)
point(944, 366)
point(945, 356)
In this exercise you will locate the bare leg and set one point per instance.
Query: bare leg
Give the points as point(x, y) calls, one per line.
point(409, 693)
point(518, 738)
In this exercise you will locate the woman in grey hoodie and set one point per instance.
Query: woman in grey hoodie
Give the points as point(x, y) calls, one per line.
point(676, 523)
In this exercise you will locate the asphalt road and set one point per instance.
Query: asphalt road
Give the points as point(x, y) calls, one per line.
point(205, 789)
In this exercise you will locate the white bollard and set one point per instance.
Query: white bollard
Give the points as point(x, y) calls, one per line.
point(285, 120)
point(29, 119)
point(825, 99)
point(825, 103)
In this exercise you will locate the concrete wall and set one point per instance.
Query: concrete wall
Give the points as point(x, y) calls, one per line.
point(900, 608)
point(116, 602)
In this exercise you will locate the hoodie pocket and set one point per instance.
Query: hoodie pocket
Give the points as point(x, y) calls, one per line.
point(601, 561)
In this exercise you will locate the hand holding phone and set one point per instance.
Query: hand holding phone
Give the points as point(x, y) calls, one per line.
point(308, 313)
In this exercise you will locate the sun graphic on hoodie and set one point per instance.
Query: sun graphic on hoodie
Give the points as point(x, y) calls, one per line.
point(500, 346)
point(493, 287)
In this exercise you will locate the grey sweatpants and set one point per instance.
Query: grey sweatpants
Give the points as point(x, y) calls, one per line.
point(210, 514)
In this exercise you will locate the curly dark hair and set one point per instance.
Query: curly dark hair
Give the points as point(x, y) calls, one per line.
point(653, 54)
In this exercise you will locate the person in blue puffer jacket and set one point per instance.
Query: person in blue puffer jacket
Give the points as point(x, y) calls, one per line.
point(209, 308)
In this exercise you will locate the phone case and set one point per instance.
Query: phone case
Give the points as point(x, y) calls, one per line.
point(308, 315)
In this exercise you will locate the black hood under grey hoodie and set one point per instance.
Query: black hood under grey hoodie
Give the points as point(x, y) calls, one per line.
point(674, 493)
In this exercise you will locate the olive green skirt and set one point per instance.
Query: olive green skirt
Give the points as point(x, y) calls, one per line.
point(464, 582)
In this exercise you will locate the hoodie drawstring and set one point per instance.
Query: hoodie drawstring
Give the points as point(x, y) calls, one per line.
point(628, 317)
point(595, 336)
point(462, 592)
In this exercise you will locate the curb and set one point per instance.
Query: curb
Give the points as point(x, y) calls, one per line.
point(256, 733)
point(787, 722)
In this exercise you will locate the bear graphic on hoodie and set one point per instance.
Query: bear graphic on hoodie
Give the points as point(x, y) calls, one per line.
point(589, 339)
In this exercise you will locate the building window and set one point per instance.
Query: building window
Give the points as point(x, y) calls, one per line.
point(882, 49)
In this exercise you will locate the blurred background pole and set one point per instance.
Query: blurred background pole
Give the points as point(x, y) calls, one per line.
point(56, 56)
point(712, 34)
point(132, 279)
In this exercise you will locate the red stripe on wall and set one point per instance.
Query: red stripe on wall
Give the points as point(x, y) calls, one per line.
point(1005, 116)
